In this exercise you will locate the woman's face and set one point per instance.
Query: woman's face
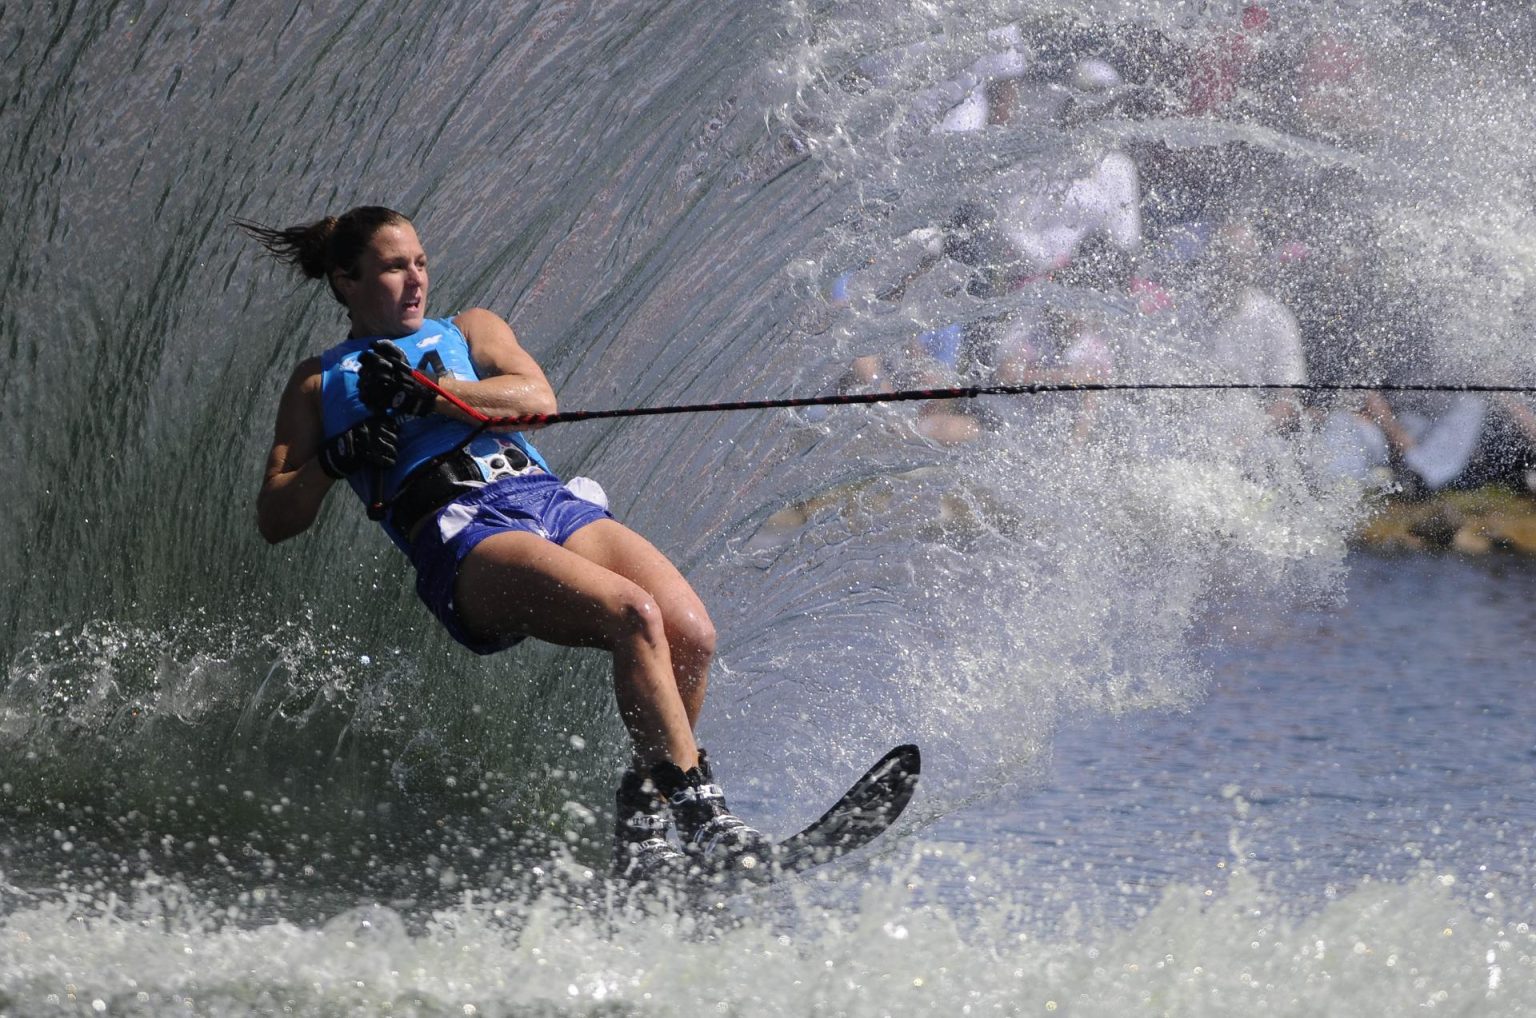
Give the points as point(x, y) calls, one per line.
point(388, 295)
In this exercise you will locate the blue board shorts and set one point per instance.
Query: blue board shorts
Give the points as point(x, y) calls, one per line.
point(536, 503)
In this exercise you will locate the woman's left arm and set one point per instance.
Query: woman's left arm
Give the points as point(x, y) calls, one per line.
point(511, 382)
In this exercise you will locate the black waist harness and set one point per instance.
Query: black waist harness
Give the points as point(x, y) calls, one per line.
point(435, 484)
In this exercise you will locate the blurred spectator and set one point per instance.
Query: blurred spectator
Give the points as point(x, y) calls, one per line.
point(964, 99)
point(1155, 65)
point(1508, 451)
point(1253, 339)
point(1424, 441)
point(1100, 307)
point(1233, 69)
point(1432, 437)
point(1330, 94)
point(1039, 220)
point(1239, 73)
point(1082, 336)
point(947, 422)
point(915, 274)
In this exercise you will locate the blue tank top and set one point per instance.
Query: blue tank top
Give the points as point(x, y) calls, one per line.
point(438, 350)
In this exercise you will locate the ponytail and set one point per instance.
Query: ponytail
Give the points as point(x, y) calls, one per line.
point(327, 245)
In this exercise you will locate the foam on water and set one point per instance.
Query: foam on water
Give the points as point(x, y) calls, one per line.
point(1228, 947)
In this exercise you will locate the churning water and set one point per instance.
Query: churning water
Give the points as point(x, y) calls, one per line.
point(1183, 755)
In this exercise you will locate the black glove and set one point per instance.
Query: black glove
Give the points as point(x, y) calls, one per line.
point(384, 382)
point(374, 442)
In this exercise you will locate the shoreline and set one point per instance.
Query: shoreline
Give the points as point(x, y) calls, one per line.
point(1480, 521)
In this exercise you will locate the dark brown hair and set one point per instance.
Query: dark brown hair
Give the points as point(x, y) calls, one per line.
point(322, 247)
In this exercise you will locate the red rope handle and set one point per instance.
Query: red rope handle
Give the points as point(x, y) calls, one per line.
point(474, 414)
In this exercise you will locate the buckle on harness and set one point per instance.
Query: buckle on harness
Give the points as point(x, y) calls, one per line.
point(509, 461)
point(431, 487)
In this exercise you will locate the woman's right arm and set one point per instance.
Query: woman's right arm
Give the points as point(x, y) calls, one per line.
point(294, 486)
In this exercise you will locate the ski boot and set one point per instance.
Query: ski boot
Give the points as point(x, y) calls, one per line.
point(641, 851)
point(710, 833)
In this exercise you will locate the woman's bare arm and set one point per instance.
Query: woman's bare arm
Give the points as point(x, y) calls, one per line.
point(511, 382)
point(294, 486)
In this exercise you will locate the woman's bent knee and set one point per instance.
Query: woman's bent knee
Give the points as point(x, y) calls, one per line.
point(633, 615)
point(693, 634)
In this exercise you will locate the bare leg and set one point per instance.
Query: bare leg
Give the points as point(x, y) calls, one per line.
point(690, 633)
point(518, 583)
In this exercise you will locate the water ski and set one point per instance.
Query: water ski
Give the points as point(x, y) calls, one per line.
point(865, 810)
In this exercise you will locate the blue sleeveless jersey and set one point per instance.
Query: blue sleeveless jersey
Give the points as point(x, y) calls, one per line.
point(438, 350)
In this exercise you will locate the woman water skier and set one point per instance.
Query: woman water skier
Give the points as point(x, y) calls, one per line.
point(502, 549)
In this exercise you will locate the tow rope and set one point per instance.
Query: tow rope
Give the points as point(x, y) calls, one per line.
point(378, 506)
point(956, 392)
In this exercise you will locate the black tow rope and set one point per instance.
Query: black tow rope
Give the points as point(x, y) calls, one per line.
point(964, 392)
point(379, 506)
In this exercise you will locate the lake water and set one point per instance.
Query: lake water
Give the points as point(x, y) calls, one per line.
point(1387, 735)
